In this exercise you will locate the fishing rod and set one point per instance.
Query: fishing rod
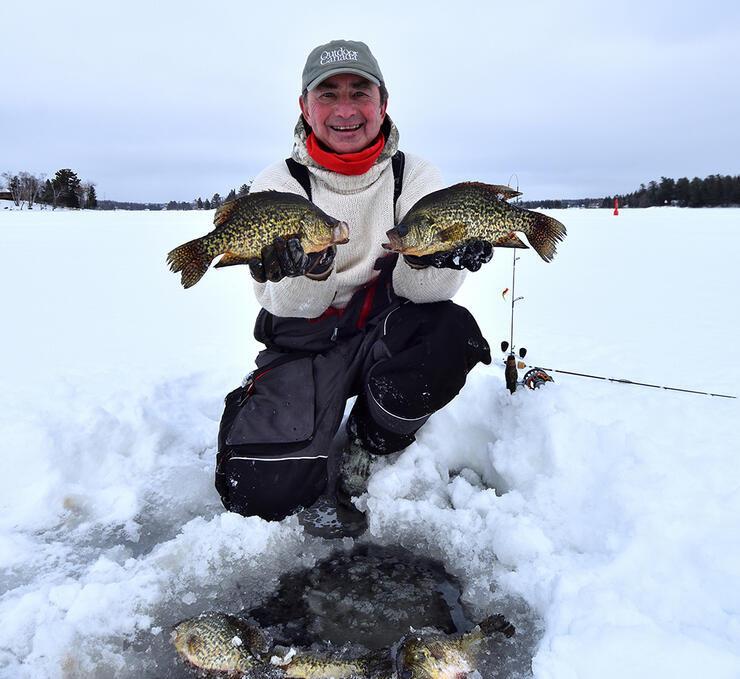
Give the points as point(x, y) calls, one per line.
point(537, 376)
point(624, 381)
point(511, 373)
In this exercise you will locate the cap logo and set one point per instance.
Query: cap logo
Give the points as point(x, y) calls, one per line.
point(341, 54)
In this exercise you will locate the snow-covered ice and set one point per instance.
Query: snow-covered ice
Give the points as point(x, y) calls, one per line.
point(610, 511)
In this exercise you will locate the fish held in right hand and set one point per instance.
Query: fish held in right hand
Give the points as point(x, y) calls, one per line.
point(248, 224)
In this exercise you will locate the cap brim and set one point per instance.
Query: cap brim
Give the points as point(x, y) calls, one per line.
point(337, 71)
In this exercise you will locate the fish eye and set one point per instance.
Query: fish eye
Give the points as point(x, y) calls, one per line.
point(406, 674)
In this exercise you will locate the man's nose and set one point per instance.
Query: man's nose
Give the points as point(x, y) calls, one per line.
point(345, 107)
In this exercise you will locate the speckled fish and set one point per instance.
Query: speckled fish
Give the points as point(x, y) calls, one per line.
point(220, 643)
point(245, 225)
point(375, 665)
point(469, 211)
point(439, 656)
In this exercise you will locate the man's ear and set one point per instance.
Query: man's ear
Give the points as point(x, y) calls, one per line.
point(304, 109)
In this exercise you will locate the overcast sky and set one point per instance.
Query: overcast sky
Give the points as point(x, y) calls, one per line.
point(164, 100)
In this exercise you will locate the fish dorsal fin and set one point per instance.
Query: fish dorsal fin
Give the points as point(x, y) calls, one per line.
point(512, 241)
point(505, 192)
point(224, 212)
point(453, 233)
point(502, 192)
point(231, 259)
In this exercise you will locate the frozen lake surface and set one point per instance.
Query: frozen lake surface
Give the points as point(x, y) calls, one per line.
point(604, 515)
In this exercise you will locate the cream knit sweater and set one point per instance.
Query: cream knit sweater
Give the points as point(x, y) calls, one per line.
point(365, 202)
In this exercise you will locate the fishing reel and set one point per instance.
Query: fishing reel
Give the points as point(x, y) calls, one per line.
point(533, 378)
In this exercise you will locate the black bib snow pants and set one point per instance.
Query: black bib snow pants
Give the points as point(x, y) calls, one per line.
point(403, 361)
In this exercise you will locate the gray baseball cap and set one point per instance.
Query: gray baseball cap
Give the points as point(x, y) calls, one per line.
point(340, 56)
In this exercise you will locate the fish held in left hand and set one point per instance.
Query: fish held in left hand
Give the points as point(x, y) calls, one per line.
point(245, 225)
point(472, 211)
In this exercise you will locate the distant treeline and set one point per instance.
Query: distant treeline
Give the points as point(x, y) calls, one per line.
point(196, 204)
point(127, 205)
point(215, 202)
point(64, 189)
point(713, 191)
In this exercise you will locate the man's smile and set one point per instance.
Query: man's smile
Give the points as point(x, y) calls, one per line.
point(346, 128)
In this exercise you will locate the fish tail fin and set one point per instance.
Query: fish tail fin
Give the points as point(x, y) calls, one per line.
point(192, 259)
point(544, 235)
point(497, 624)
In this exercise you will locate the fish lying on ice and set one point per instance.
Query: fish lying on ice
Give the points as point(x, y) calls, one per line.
point(245, 225)
point(441, 656)
point(445, 219)
point(220, 644)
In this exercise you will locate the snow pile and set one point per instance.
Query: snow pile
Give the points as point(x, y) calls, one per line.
point(602, 516)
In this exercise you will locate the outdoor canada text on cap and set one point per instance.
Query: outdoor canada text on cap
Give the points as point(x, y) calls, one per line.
point(340, 56)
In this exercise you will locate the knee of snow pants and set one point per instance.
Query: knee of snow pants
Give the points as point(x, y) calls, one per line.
point(275, 435)
point(269, 488)
point(422, 358)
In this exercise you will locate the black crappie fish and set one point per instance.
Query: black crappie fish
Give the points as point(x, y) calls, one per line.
point(469, 211)
point(224, 645)
point(245, 225)
point(375, 665)
point(439, 656)
point(220, 643)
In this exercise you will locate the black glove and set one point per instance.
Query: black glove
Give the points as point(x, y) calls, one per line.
point(287, 258)
point(471, 255)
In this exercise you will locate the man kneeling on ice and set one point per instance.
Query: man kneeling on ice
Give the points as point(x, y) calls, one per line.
point(350, 320)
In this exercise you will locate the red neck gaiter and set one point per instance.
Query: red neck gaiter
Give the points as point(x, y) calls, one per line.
point(345, 163)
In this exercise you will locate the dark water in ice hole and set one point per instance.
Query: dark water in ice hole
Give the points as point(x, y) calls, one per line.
point(368, 598)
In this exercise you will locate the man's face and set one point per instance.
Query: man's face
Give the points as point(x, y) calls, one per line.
point(344, 112)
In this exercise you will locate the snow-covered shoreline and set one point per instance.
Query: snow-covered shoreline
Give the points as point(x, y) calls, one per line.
point(609, 510)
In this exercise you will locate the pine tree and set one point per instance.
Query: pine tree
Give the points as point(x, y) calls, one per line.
point(199, 204)
point(216, 201)
point(682, 191)
point(696, 193)
point(666, 191)
point(68, 185)
point(207, 204)
point(243, 190)
point(231, 196)
point(92, 199)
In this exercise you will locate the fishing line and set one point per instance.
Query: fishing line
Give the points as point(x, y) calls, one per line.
point(536, 375)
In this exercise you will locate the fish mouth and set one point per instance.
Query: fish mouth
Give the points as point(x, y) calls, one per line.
point(394, 244)
point(340, 233)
